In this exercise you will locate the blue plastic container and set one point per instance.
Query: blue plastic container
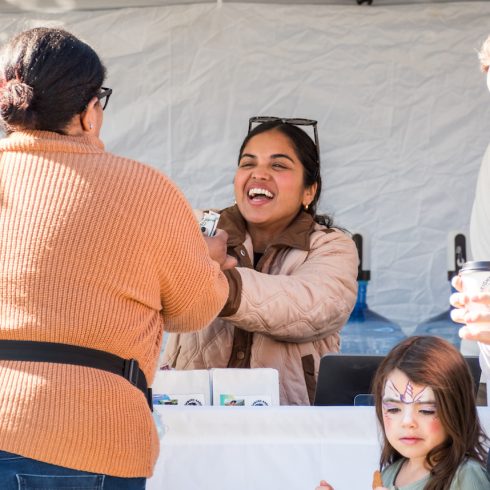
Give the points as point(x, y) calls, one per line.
point(441, 325)
point(367, 332)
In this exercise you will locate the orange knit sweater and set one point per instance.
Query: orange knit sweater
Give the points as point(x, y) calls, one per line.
point(99, 251)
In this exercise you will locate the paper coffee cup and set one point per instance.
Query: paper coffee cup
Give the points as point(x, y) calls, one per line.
point(475, 277)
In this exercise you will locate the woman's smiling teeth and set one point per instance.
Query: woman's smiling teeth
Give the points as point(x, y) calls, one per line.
point(259, 193)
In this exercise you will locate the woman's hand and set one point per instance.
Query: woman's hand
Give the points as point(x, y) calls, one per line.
point(474, 329)
point(324, 486)
point(217, 246)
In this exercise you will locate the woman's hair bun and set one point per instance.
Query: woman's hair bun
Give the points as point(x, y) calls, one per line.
point(19, 93)
point(15, 101)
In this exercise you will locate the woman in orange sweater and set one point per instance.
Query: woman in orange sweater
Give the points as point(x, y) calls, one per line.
point(98, 255)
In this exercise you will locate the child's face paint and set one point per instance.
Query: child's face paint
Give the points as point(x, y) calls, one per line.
point(410, 416)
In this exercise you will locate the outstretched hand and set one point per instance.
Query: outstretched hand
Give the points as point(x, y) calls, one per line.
point(217, 246)
point(475, 328)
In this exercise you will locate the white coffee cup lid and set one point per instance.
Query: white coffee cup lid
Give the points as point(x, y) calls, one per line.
point(476, 265)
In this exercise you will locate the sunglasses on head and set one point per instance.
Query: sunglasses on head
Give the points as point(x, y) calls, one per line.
point(295, 121)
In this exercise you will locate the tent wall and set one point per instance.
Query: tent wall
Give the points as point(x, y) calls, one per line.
point(68, 5)
point(403, 111)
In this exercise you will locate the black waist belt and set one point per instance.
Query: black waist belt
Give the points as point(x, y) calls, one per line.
point(26, 350)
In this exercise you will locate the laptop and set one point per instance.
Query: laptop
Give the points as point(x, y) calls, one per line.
point(346, 379)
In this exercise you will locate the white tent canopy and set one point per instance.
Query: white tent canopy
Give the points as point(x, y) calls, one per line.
point(403, 111)
point(66, 5)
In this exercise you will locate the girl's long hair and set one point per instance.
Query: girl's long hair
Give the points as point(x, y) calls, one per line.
point(434, 362)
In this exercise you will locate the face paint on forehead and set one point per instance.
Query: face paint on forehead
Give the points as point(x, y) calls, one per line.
point(391, 393)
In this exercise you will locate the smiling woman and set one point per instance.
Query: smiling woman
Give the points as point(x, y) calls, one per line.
point(295, 283)
point(269, 186)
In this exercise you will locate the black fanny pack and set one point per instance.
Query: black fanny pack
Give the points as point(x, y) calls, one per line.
point(26, 350)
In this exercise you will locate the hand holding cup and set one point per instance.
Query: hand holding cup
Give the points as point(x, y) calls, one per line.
point(472, 302)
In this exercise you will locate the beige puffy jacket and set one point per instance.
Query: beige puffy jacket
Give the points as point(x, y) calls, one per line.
point(286, 314)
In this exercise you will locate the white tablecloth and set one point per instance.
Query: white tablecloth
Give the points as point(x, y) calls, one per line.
point(268, 448)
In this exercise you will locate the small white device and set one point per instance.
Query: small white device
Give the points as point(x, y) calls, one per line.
point(209, 223)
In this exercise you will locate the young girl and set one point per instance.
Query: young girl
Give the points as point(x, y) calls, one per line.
point(432, 438)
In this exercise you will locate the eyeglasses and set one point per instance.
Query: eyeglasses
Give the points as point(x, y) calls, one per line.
point(105, 92)
point(298, 121)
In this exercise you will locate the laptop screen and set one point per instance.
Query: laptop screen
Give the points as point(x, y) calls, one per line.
point(346, 379)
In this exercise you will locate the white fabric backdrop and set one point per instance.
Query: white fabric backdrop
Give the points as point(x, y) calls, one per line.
point(404, 115)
